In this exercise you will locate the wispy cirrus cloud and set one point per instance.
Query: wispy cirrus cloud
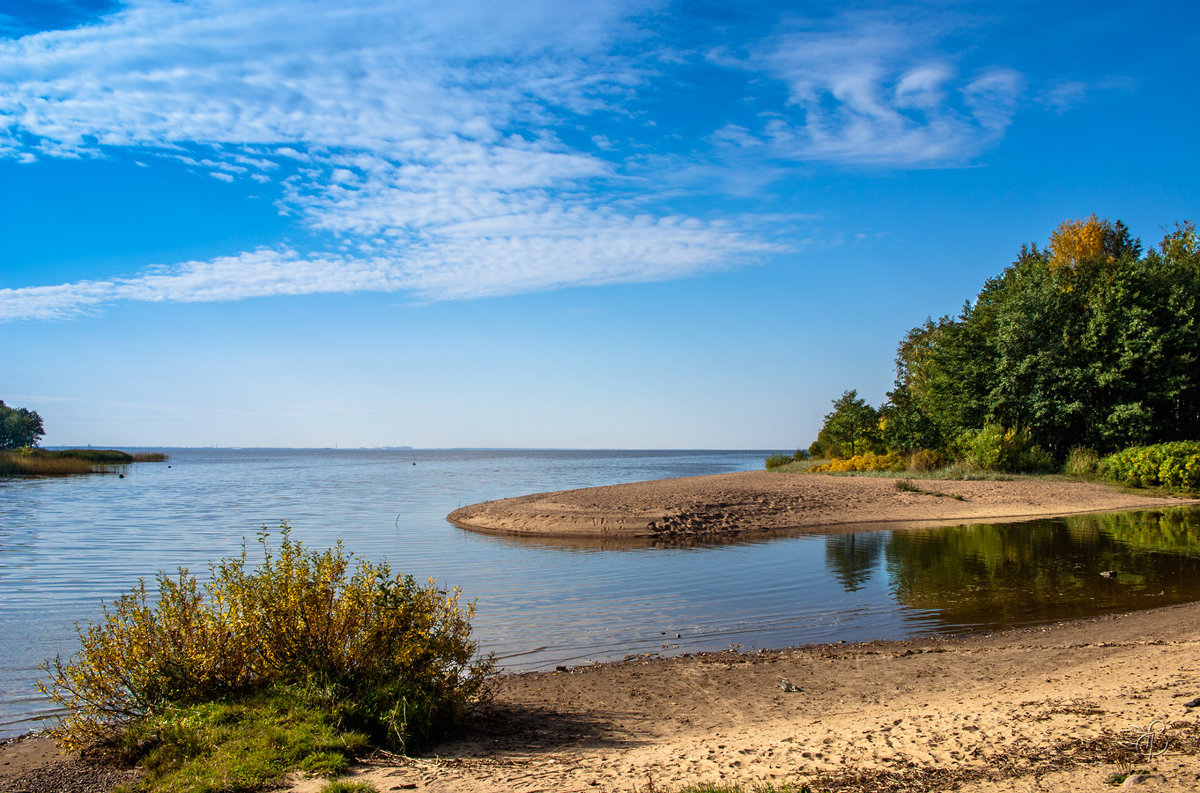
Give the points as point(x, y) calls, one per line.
point(467, 261)
point(868, 88)
point(423, 145)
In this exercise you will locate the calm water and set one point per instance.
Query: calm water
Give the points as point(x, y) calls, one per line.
point(66, 544)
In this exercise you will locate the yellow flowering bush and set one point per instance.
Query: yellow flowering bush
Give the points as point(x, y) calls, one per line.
point(393, 657)
point(1174, 465)
point(864, 462)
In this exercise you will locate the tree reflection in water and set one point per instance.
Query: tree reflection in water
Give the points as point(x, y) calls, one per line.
point(1002, 575)
point(854, 557)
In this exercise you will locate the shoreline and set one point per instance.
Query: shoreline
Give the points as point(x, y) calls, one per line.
point(1044, 708)
point(758, 502)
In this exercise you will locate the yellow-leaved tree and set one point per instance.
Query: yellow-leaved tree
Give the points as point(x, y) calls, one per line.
point(1075, 241)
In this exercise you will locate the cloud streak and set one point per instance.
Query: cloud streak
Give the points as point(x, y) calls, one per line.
point(868, 89)
point(423, 145)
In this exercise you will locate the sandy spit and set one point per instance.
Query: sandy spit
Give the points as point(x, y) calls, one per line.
point(763, 501)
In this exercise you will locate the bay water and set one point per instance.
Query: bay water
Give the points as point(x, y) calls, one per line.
point(69, 544)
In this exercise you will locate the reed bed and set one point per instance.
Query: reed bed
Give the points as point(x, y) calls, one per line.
point(66, 462)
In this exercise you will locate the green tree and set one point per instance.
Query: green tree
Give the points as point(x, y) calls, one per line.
point(1088, 342)
point(19, 427)
point(852, 428)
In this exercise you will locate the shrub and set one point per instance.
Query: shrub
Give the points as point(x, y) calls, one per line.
point(777, 460)
point(995, 448)
point(1174, 465)
point(394, 657)
point(1081, 461)
point(863, 462)
point(800, 455)
point(924, 460)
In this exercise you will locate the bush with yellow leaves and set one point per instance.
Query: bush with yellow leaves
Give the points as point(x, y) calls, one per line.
point(863, 462)
point(393, 657)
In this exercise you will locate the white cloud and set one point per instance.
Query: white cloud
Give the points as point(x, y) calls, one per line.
point(466, 261)
point(864, 90)
point(426, 140)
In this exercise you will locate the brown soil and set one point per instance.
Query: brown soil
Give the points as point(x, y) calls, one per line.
point(36, 764)
point(763, 501)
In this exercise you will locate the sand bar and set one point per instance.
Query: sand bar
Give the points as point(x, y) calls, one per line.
point(763, 501)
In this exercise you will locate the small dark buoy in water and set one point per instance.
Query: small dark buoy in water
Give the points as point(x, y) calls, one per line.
point(414, 463)
point(120, 476)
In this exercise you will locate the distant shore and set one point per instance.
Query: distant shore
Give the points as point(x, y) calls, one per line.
point(763, 501)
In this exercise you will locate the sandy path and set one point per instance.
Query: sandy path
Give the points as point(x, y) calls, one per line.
point(1023, 710)
point(768, 501)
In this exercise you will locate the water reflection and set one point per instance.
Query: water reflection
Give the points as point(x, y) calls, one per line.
point(1002, 575)
point(852, 558)
point(66, 545)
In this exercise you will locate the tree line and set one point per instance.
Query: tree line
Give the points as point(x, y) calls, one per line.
point(1090, 342)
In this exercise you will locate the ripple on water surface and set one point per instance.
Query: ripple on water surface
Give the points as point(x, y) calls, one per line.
point(66, 544)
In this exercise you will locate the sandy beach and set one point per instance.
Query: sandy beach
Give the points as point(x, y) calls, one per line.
point(1057, 708)
point(764, 501)
point(1051, 709)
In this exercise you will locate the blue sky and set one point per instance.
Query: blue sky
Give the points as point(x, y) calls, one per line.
point(621, 224)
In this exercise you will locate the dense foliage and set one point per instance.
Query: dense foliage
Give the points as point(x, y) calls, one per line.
point(385, 654)
point(1171, 465)
point(19, 427)
point(851, 428)
point(863, 462)
point(1089, 343)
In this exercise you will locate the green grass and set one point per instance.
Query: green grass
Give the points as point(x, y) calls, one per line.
point(800, 466)
point(65, 462)
point(241, 745)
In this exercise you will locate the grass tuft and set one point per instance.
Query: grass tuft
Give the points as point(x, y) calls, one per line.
point(346, 786)
point(906, 486)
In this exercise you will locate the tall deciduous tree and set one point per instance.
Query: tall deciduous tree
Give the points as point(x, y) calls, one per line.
point(851, 428)
point(1087, 342)
point(19, 427)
